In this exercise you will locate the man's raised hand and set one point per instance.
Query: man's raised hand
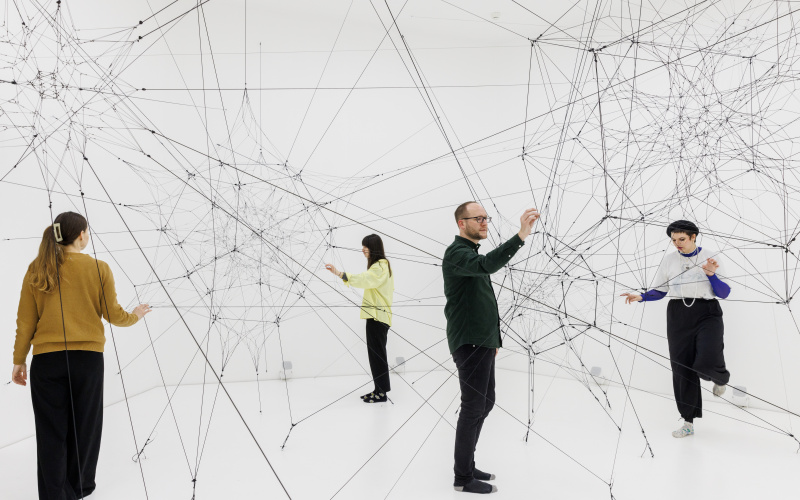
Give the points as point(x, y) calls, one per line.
point(526, 221)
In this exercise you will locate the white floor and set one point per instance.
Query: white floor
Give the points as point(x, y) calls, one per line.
point(350, 450)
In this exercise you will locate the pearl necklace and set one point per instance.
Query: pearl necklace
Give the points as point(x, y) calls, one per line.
point(688, 266)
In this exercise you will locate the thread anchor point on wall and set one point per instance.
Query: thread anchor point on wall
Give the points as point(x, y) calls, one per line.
point(287, 435)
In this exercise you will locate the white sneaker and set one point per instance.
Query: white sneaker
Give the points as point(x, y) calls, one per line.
point(686, 430)
point(718, 390)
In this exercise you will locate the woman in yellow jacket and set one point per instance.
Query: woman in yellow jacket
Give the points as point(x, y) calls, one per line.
point(376, 308)
point(64, 295)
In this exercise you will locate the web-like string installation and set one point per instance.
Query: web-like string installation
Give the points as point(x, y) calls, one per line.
point(222, 152)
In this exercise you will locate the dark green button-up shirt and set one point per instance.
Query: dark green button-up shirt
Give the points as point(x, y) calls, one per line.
point(471, 306)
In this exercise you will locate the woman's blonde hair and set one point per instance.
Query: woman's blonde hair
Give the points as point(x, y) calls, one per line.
point(66, 228)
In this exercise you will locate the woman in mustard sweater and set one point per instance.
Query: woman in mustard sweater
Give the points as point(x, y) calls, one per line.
point(378, 285)
point(64, 295)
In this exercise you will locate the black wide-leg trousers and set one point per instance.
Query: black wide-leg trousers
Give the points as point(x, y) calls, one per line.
point(68, 411)
point(476, 375)
point(377, 336)
point(695, 338)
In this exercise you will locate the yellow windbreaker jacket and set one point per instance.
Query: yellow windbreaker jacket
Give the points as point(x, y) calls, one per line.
point(378, 288)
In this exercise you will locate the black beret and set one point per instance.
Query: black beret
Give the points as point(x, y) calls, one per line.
point(682, 226)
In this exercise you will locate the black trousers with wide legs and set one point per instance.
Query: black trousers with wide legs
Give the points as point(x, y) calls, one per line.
point(377, 334)
point(68, 411)
point(476, 375)
point(695, 342)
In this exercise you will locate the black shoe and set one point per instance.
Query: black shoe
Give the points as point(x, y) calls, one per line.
point(376, 397)
point(367, 396)
point(483, 476)
point(476, 486)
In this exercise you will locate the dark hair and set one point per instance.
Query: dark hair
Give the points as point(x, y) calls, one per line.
point(683, 226)
point(462, 209)
point(374, 244)
point(66, 228)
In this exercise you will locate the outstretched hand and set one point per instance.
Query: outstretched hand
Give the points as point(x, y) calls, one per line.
point(526, 221)
point(710, 267)
point(19, 375)
point(630, 298)
point(141, 310)
point(332, 269)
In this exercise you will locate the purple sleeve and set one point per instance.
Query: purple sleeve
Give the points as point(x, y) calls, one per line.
point(653, 295)
point(721, 289)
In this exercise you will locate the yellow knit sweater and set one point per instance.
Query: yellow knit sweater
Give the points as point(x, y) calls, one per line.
point(85, 282)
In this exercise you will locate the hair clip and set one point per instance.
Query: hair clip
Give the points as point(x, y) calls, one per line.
point(57, 232)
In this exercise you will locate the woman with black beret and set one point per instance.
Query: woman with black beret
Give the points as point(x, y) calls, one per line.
point(694, 319)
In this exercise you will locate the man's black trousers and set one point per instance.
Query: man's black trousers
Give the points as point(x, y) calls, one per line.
point(476, 375)
point(68, 429)
point(377, 334)
point(695, 342)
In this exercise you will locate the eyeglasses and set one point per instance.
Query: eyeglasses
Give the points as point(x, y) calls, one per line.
point(479, 219)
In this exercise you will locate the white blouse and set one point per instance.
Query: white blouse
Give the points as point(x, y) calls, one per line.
point(683, 277)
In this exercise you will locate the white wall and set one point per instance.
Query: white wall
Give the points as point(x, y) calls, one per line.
point(679, 142)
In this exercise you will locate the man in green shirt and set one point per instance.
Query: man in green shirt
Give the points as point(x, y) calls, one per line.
point(473, 330)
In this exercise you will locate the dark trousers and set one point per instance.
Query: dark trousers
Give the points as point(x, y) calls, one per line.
point(67, 429)
point(694, 335)
point(377, 334)
point(476, 376)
